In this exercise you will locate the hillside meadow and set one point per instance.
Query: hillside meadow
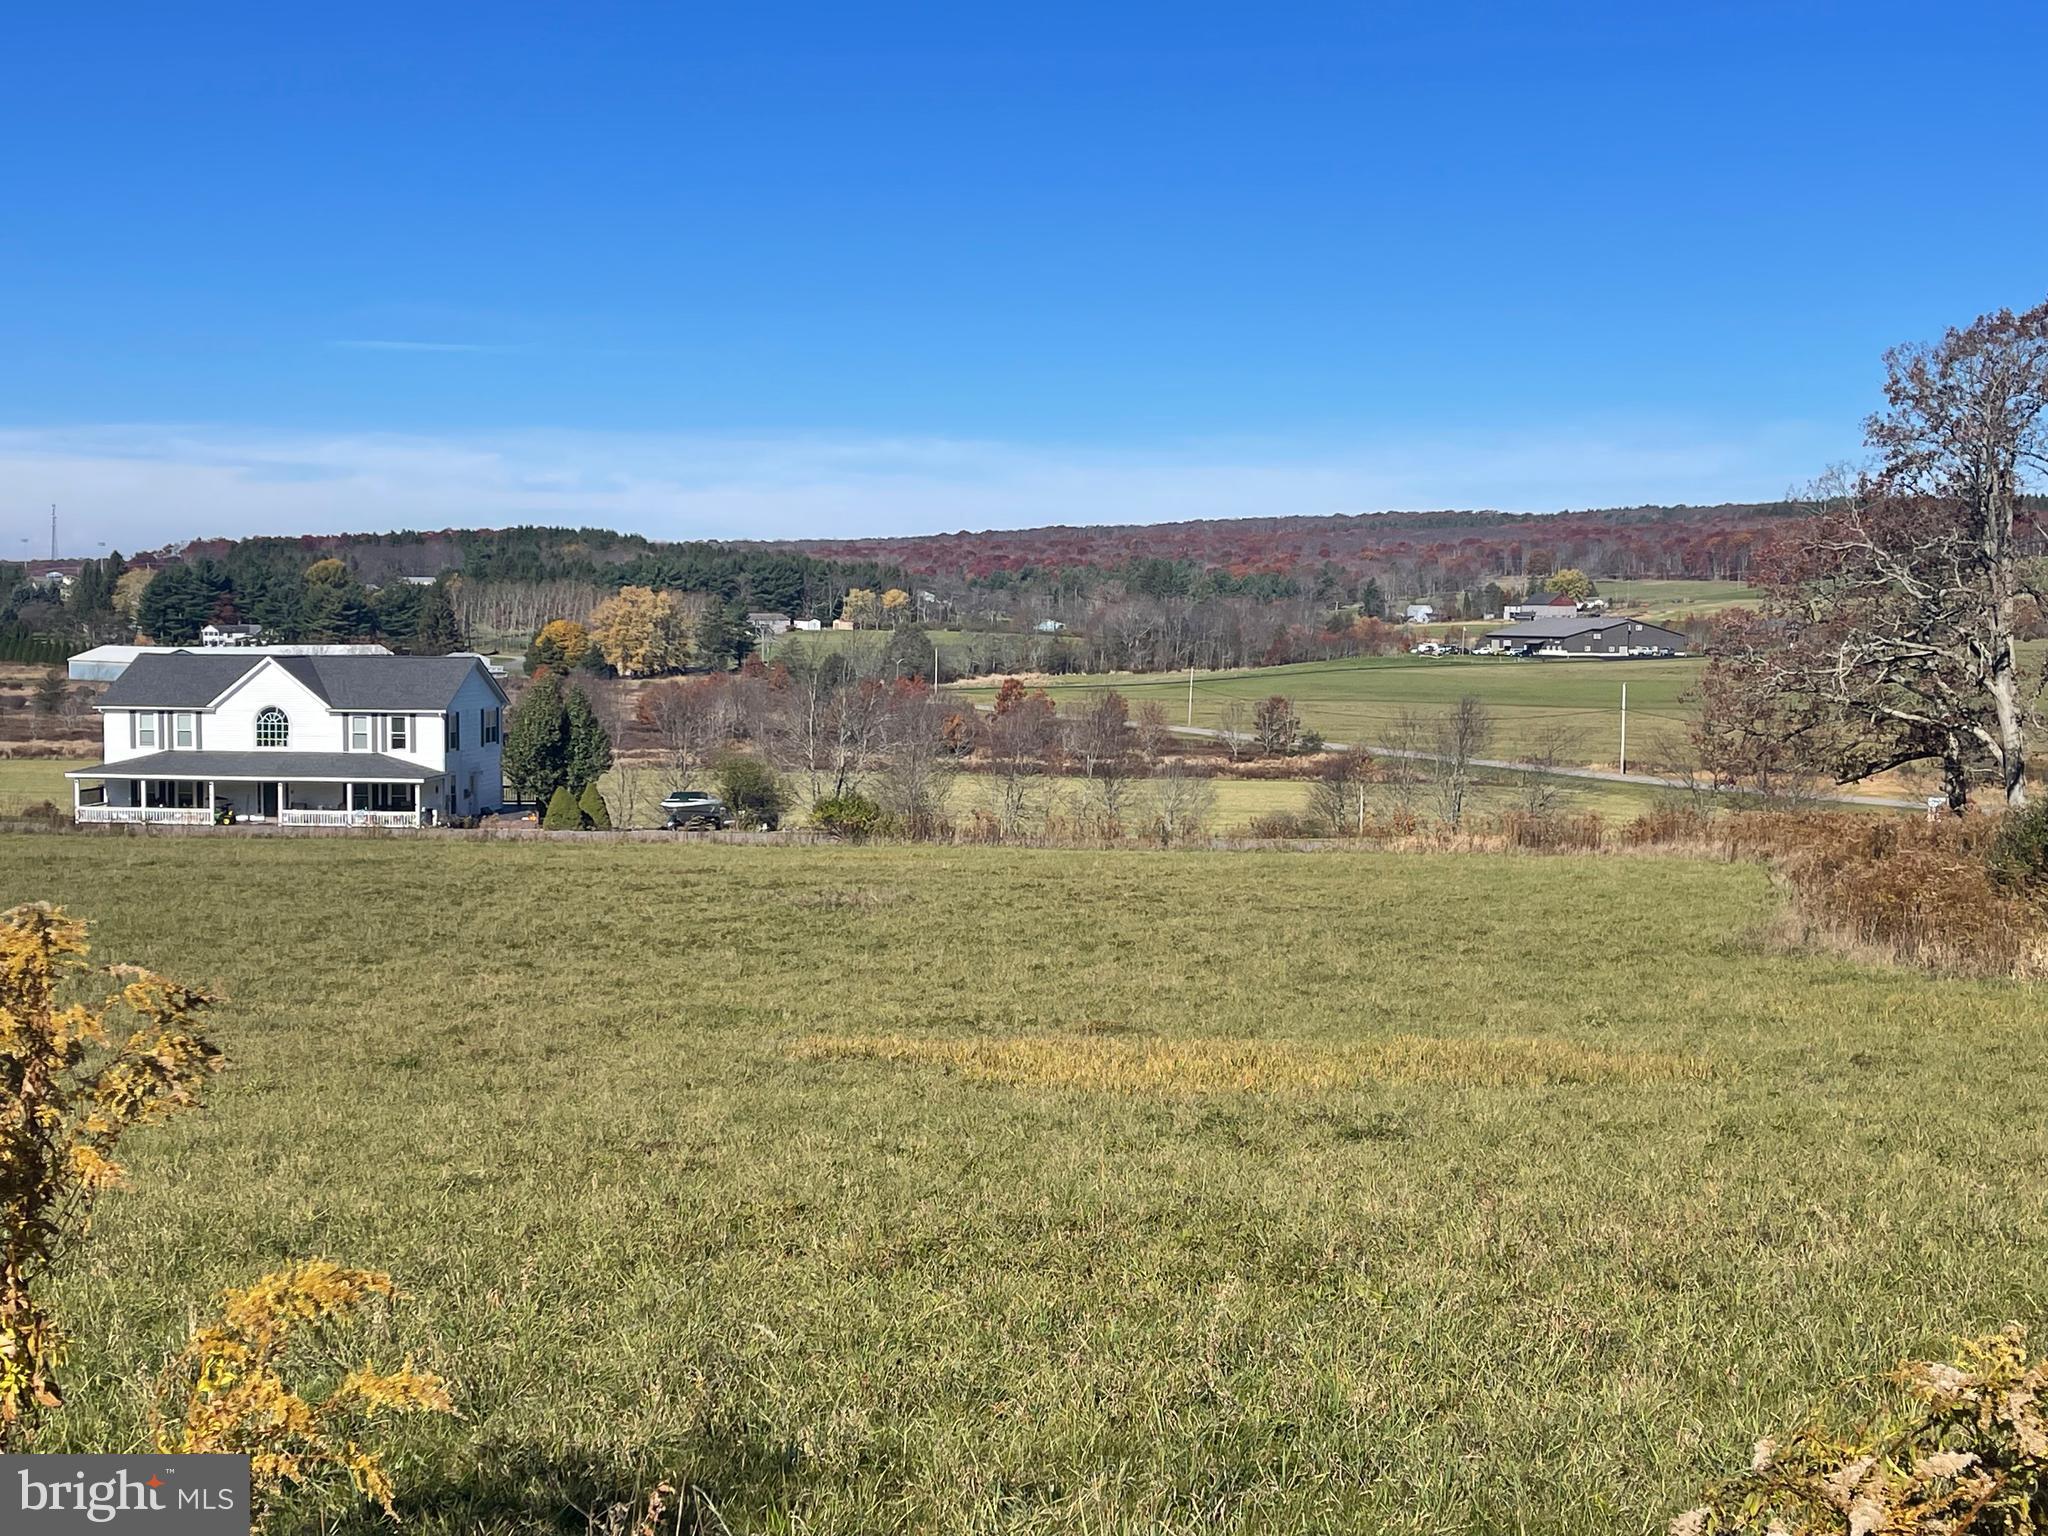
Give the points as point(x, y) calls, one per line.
point(1572, 705)
point(979, 1190)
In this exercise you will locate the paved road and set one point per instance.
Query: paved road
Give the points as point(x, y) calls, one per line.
point(1604, 775)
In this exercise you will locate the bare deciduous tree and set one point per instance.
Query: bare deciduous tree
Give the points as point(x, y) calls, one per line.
point(1891, 631)
point(1182, 803)
point(1460, 738)
point(1339, 800)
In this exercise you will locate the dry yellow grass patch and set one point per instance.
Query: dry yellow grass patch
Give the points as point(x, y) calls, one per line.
point(1160, 1066)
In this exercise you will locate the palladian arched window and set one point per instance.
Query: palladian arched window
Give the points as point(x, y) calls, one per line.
point(272, 728)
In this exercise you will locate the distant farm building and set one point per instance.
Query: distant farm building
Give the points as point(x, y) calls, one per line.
point(1419, 613)
point(217, 635)
point(767, 625)
point(1541, 605)
point(1586, 635)
point(104, 663)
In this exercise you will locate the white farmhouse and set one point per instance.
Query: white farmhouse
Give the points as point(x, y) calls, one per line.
point(209, 736)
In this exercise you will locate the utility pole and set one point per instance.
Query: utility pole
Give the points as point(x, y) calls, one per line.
point(1624, 727)
point(1191, 693)
point(53, 530)
point(935, 666)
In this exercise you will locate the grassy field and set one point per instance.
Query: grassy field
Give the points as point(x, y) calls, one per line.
point(961, 1190)
point(1238, 801)
point(1352, 700)
point(1659, 599)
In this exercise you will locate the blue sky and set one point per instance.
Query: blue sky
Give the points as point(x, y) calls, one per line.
point(779, 270)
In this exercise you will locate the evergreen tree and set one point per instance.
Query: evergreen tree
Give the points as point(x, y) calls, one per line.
point(596, 814)
point(723, 638)
point(275, 602)
point(396, 608)
point(536, 748)
point(561, 814)
point(182, 601)
point(1372, 602)
point(589, 744)
point(337, 611)
point(438, 631)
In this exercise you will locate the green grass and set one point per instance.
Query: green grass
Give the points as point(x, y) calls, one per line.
point(1238, 801)
point(26, 781)
point(1661, 599)
point(1352, 700)
point(1550, 1188)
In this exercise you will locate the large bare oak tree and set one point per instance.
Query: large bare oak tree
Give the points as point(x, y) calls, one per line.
point(1891, 630)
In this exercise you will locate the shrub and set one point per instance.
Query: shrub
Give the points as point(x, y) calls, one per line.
point(1922, 892)
point(1667, 824)
point(1284, 825)
point(849, 816)
point(751, 790)
point(231, 1390)
point(592, 810)
point(1961, 1447)
point(1551, 834)
point(562, 814)
point(2019, 852)
point(68, 1094)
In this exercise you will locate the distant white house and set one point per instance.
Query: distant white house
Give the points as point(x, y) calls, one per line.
point(767, 625)
point(1049, 626)
point(807, 624)
point(1419, 613)
point(217, 635)
point(202, 737)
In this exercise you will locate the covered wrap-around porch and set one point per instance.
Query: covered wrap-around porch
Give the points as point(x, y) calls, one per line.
point(180, 788)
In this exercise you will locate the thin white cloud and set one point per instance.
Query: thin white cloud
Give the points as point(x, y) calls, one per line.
point(140, 486)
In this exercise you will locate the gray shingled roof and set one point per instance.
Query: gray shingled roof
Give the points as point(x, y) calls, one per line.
point(1552, 629)
point(360, 766)
point(1560, 629)
point(176, 680)
point(190, 679)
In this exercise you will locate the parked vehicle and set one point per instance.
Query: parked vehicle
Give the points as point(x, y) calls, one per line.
point(690, 809)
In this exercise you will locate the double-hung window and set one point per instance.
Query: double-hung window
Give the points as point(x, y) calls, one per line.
point(184, 731)
point(400, 729)
point(359, 733)
point(145, 729)
point(454, 731)
point(489, 720)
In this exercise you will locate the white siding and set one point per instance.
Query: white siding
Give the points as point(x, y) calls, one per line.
point(472, 757)
point(317, 728)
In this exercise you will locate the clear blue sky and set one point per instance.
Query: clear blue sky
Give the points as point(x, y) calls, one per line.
point(730, 269)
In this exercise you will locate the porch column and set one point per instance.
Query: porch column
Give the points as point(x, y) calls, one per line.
point(77, 798)
point(212, 801)
point(348, 797)
point(280, 802)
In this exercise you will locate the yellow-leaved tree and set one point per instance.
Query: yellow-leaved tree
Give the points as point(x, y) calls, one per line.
point(75, 1077)
point(641, 632)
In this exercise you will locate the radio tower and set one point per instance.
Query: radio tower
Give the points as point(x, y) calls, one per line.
point(53, 530)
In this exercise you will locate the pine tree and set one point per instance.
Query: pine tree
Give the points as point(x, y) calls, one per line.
point(562, 815)
point(596, 814)
point(589, 745)
point(439, 631)
point(536, 750)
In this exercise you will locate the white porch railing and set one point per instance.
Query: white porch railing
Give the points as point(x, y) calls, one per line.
point(350, 818)
point(191, 816)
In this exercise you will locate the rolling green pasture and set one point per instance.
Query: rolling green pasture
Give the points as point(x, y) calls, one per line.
point(1661, 599)
point(976, 1190)
point(1352, 700)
